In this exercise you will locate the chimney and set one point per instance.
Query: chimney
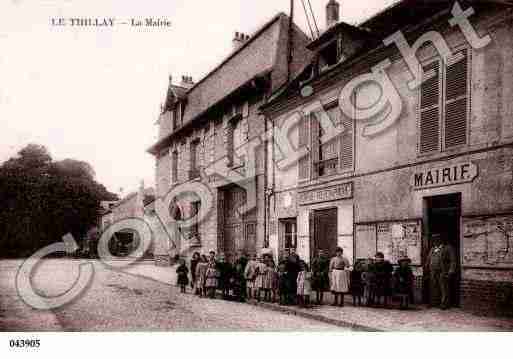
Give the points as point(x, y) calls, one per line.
point(187, 82)
point(239, 39)
point(332, 13)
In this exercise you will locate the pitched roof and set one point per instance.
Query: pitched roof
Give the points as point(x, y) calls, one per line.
point(392, 18)
point(257, 57)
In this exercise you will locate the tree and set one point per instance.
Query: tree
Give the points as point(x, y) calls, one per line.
point(44, 200)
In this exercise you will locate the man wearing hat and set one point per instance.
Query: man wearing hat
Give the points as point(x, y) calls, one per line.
point(441, 264)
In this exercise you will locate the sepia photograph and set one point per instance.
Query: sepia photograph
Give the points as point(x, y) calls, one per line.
point(286, 166)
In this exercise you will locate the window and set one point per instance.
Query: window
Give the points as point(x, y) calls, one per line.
point(176, 116)
point(194, 169)
point(234, 141)
point(331, 54)
point(329, 153)
point(444, 104)
point(174, 167)
point(289, 230)
point(195, 207)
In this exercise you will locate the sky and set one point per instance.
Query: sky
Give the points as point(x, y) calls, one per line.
point(94, 94)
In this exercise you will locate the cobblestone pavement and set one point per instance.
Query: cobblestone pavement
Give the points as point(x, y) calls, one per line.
point(117, 301)
point(418, 318)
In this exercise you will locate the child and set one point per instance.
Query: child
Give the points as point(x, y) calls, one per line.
point(261, 270)
point(212, 278)
point(268, 278)
point(403, 278)
point(201, 276)
point(304, 285)
point(382, 270)
point(357, 282)
point(250, 274)
point(182, 272)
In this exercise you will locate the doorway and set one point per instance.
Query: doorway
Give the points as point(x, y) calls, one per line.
point(239, 230)
point(442, 216)
point(325, 225)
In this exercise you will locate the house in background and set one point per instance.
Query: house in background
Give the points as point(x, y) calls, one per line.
point(134, 205)
point(206, 125)
point(444, 166)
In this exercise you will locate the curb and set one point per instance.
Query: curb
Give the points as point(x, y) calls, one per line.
point(318, 317)
point(287, 310)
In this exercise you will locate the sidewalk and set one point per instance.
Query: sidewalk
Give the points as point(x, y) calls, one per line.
point(418, 318)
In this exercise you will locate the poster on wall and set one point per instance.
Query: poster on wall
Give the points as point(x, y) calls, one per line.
point(488, 241)
point(397, 239)
point(365, 241)
point(394, 239)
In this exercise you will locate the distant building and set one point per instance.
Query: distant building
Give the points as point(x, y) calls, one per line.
point(132, 206)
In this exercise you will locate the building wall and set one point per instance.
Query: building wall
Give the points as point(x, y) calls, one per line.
point(213, 138)
point(385, 165)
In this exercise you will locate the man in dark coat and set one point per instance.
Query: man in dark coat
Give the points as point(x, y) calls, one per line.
point(293, 269)
point(225, 274)
point(239, 267)
point(441, 264)
point(320, 275)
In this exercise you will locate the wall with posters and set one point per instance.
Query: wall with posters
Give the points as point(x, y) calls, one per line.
point(488, 241)
point(394, 239)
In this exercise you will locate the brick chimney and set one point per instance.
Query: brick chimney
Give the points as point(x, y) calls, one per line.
point(239, 39)
point(187, 82)
point(332, 13)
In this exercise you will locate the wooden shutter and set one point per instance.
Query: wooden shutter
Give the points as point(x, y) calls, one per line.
point(314, 140)
point(303, 142)
point(230, 143)
point(429, 139)
point(456, 100)
point(346, 140)
point(174, 168)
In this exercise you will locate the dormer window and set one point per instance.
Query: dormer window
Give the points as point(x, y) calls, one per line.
point(330, 55)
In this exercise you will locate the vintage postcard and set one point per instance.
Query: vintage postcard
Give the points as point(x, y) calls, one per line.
point(255, 166)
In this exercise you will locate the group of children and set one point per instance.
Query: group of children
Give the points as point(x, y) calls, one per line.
point(292, 281)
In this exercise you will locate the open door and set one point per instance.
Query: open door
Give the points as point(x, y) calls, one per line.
point(443, 215)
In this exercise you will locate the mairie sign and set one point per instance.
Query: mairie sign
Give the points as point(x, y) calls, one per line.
point(444, 175)
point(332, 193)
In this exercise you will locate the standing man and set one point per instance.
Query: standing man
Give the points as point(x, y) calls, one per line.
point(441, 263)
point(293, 269)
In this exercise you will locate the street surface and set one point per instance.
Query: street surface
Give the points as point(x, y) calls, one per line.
point(118, 301)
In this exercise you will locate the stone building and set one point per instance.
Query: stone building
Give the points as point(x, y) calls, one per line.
point(209, 136)
point(433, 158)
point(137, 204)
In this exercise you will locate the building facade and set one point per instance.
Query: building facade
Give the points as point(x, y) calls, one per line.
point(436, 157)
point(210, 138)
point(138, 204)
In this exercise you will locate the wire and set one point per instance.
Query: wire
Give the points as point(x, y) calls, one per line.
point(313, 17)
point(308, 19)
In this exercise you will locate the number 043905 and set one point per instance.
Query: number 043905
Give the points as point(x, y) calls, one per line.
point(25, 343)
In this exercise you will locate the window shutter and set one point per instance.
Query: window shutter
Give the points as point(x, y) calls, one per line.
point(346, 142)
point(456, 100)
point(174, 168)
point(314, 140)
point(230, 143)
point(430, 108)
point(303, 142)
